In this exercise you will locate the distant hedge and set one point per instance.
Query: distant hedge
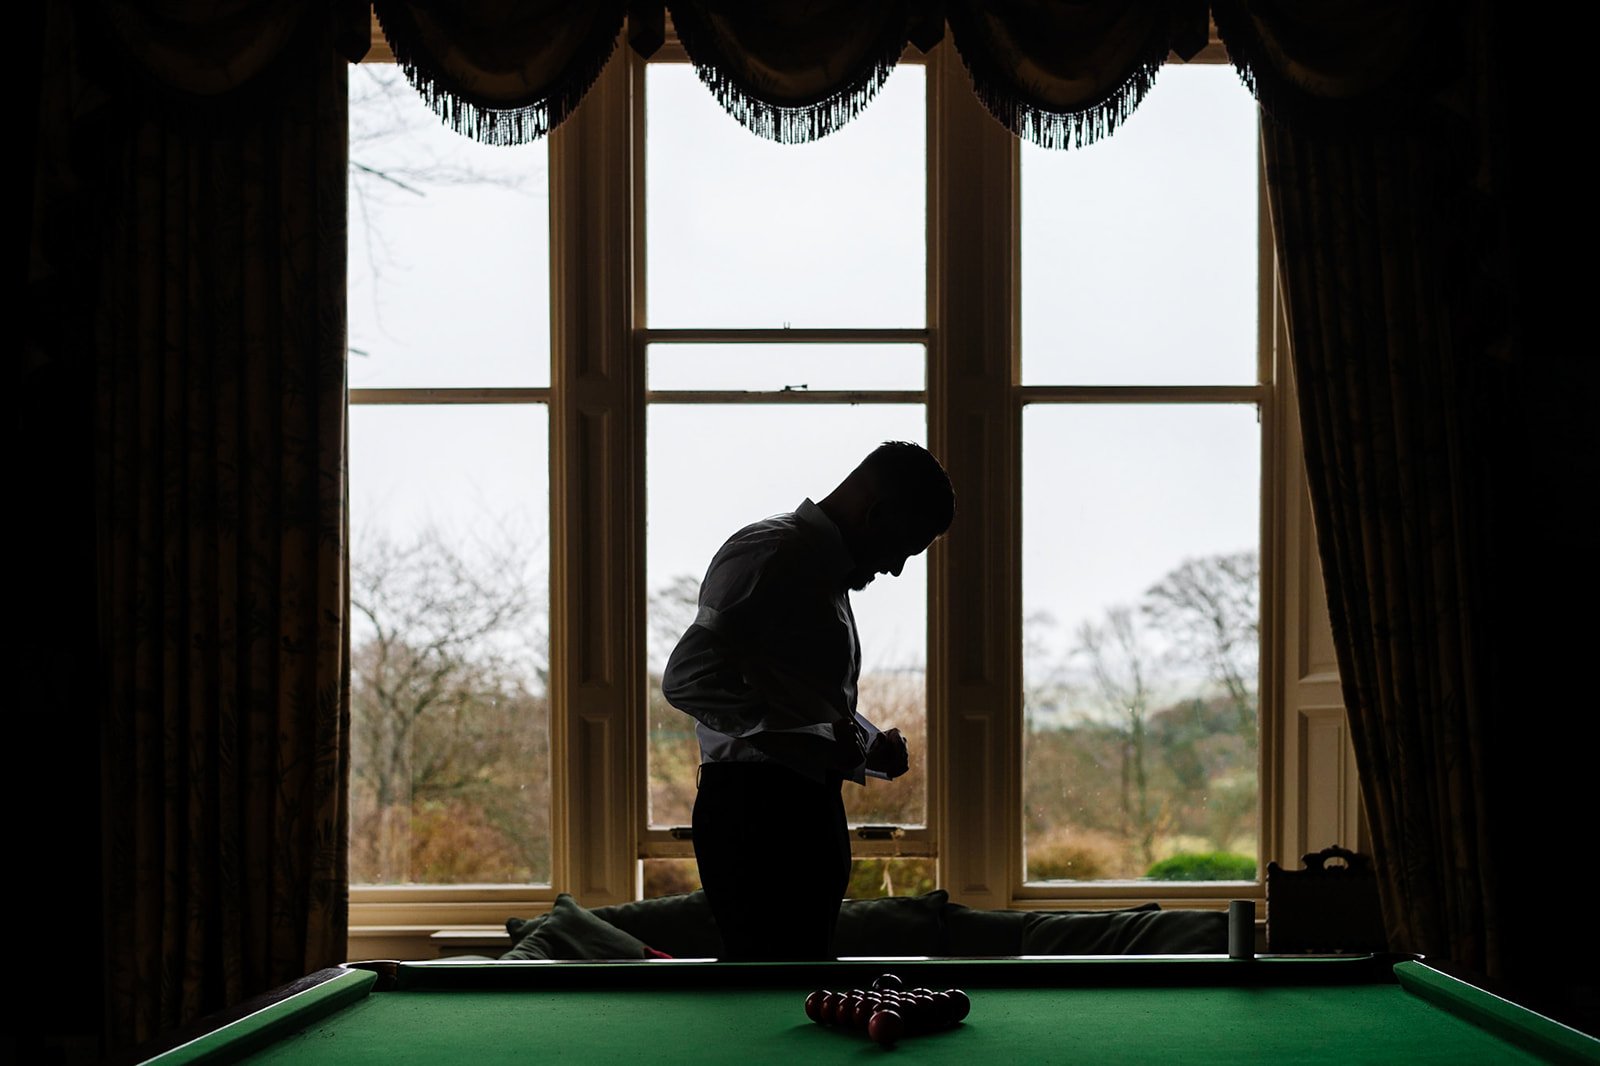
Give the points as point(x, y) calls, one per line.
point(1204, 866)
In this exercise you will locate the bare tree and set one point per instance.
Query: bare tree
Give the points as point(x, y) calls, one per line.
point(447, 694)
point(1119, 669)
point(393, 161)
point(388, 157)
point(672, 610)
point(1045, 685)
point(1209, 607)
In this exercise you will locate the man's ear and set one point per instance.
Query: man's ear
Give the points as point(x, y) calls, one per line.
point(872, 517)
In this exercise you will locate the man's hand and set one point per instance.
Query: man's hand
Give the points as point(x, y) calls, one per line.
point(849, 747)
point(888, 755)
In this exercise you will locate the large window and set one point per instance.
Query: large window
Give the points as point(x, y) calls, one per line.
point(567, 393)
point(1141, 492)
point(449, 489)
point(786, 296)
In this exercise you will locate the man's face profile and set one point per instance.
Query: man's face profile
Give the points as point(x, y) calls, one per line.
point(887, 541)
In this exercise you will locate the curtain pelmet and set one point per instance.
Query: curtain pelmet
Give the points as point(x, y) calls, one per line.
point(1058, 75)
point(1367, 62)
point(501, 73)
point(1066, 75)
point(793, 73)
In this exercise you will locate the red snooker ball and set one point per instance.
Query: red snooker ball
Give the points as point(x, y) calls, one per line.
point(886, 1026)
point(814, 1004)
point(827, 1007)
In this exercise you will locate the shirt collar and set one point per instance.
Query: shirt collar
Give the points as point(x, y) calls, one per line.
point(816, 519)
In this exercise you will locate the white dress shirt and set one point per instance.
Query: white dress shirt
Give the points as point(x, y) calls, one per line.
point(769, 667)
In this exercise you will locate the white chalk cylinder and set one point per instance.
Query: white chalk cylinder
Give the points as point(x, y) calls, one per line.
point(1242, 929)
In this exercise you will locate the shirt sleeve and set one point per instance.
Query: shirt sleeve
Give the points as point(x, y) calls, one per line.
point(729, 671)
point(703, 679)
point(734, 690)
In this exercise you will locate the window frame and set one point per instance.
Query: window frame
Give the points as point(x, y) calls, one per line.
point(974, 401)
point(658, 842)
point(1264, 394)
point(389, 920)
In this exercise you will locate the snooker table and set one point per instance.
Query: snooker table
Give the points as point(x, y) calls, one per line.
point(1078, 1009)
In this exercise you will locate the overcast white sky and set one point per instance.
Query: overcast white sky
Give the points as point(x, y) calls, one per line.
point(1139, 258)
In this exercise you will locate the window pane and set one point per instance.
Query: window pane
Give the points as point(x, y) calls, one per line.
point(871, 878)
point(775, 367)
point(449, 268)
point(877, 878)
point(1140, 640)
point(1139, 252)
point(450, 717)
point(742, 231)
point(669, 877)
point(716, 468)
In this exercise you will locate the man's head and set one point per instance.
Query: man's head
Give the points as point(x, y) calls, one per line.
point(891, 507)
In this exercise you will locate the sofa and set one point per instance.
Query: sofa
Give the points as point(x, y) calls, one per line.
point(681, 926)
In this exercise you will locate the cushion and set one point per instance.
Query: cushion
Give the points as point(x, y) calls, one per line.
point(521, 927)
point(894, 925)
point(680, 925)
point(1173, 932)
point(570, 932)
point(972, 931)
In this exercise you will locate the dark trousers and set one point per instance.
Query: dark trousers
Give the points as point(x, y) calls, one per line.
point(774, 855)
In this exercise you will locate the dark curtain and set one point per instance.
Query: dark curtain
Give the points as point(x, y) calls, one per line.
point(1369, 175)
point(188, 265)
point(53, 839)
point(1384, 371)
point(1387, 134)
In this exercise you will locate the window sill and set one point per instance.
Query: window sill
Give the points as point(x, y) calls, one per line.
point(412, 943)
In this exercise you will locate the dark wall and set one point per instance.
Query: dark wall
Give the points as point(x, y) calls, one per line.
point(55, 764)
point(54, 843)
point(1541, 396)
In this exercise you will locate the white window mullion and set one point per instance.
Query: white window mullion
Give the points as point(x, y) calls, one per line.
point(974, 633)
point(597, 488)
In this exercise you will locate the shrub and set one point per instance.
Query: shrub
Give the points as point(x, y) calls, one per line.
point(1068, 855)
point(1204, 866)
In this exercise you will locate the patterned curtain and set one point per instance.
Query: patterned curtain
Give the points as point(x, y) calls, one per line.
point(1378, 211)
point(1384, 387)
point(189, 250)
point(1057, 74)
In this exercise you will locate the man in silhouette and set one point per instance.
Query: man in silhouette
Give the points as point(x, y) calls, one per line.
point(768, 670)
